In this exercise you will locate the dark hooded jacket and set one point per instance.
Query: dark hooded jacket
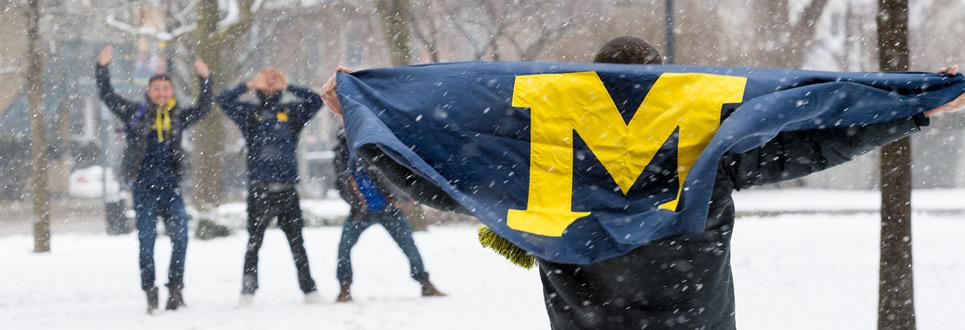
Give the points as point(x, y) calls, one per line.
point(271, 129)
point(137, 117)
point(345, 181)
point(682, 282)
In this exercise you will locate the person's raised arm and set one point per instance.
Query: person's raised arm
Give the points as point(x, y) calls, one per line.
point(303, 111)
point(202, 105)
point(122, 108)
point(329, 93)
point(237, 110)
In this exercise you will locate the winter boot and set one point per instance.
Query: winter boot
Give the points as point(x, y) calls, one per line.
point(175, 300)
point(345, 294)
point(151, 300)
point(429, 290)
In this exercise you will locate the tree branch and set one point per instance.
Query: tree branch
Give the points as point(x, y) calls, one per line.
point(428, 38)
point(803, 31)
point(246, 19)
point(148, 30)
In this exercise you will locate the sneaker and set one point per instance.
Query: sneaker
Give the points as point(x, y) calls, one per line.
point(345, 293)
point(429, 290)
point(175, 300)
point(152, 300)
point(313, 298)
point(246, 300)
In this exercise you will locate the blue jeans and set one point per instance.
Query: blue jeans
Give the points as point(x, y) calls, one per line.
point(398, 227)
point(149, 204)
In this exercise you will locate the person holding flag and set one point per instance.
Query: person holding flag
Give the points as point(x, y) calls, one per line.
point(629, 253)
point(154, 164)
point(373, 201)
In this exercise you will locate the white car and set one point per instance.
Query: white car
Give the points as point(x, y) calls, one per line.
point(89, 183)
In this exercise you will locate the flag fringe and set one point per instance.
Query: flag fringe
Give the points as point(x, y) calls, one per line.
point(507, 249)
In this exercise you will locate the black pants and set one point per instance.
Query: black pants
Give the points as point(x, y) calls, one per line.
point(265, 202)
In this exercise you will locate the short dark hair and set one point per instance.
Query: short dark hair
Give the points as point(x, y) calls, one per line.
point(159, 77)
point(628, 50)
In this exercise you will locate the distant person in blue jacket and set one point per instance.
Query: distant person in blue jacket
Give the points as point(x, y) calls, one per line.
point(372, 202)
point(154, 163)
point(271, 128)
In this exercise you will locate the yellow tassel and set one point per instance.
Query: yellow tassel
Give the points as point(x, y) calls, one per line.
point(507, 249)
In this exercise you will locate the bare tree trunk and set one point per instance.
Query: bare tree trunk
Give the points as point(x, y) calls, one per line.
point(426, 33)
point(395, 15)
point(779, 44)
point(802, 34)
point(211, 130)
point(896, 308)
point(38, 134)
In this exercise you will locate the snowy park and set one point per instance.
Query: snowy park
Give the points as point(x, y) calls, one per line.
point(482, 164)
point(814, 271)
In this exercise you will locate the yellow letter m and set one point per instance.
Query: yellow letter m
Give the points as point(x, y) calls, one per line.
point(561, 104)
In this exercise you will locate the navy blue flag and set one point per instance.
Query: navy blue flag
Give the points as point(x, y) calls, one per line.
point(577, 163)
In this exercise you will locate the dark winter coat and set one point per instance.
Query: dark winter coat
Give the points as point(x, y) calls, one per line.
point(682, 282)
point(347, 188)
point(271, 129)
point(137, 118)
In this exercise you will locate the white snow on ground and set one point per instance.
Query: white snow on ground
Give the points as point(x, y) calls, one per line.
point(821, 272)
point(316, 212)
point(792, 272)
point(818, 200)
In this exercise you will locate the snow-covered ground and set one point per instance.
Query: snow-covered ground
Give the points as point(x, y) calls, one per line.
point(315, 212)
point(842, 201)
point(792, 272)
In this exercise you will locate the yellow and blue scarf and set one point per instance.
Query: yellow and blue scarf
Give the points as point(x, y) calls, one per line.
point(162, 119)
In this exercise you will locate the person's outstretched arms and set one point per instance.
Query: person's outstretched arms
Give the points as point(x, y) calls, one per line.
point(952, 106)
point(235, 109)
point(122, 108)
point(793, 155)
point(202, 106)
